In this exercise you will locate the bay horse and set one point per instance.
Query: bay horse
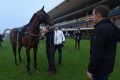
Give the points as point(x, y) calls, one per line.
point(29, 37)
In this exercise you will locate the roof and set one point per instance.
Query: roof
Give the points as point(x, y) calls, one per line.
point(72, 9)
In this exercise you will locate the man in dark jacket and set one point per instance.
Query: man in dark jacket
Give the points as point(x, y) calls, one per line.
point(103, 45)
point(77, 39)
point(50, 49)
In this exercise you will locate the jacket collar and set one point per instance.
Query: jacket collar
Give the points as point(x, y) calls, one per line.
point(103, 22)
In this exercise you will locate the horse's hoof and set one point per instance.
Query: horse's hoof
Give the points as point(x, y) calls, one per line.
point(52, 72)
point(27, 66)
point(28, 73)
point(37, 71)
point(20, 61)
point(16, 64)
point(28, 70)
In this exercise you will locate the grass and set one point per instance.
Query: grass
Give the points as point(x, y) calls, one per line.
point(74, 63)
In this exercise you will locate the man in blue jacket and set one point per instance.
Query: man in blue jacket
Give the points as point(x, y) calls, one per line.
point(103, 45)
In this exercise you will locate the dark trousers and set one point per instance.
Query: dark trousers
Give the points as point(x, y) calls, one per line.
point(0, 44)
point(51, 59)
point(77, 44)
point(100, 77)
point(59, 47)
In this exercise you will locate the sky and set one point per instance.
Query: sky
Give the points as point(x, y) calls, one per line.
point(16, 13)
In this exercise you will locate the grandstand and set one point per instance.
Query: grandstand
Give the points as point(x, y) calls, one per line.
point(74, 14)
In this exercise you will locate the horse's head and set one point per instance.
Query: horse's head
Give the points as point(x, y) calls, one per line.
point(44, 17)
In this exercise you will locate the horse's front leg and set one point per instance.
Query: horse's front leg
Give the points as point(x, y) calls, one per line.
point(28, 60)
point(35, 58)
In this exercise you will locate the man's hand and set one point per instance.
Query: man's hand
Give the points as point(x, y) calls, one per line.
point(62, 44)
point(89, 75)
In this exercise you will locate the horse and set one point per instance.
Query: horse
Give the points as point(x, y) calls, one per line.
point(2, 37)
point(1, 40)
point(28, 37)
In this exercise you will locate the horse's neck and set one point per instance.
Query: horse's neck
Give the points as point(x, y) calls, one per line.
point(33, 29)
point(35, 21)
point(33, 25)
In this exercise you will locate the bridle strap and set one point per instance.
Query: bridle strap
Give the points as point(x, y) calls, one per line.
point(33, 35)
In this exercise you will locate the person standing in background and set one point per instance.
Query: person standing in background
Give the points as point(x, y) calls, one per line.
point(77, 36)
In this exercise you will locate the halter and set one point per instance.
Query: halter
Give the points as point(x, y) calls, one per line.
point(34, 35)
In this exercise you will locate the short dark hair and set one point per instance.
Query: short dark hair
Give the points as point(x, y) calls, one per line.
point(102, 10)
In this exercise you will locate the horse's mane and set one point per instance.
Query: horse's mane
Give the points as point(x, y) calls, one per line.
point(31, 20)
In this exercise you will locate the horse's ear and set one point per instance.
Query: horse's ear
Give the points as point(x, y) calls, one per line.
point(42, 8)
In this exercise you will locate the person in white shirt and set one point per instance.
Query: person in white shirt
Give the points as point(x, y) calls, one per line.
point(59, 40)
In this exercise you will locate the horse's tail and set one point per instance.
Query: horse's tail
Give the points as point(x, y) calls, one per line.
point(13, 40)
point(13, 37)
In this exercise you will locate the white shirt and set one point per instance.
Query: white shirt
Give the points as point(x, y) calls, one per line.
point(58, 37)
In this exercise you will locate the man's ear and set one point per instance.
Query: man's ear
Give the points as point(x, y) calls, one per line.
point(99, 15)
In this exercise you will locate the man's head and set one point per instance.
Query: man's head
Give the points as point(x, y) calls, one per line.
point(56, 28)
point(100, 12)
point(48, 27)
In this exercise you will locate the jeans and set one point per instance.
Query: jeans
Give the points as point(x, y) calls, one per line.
point(100, 77)
point(59, 47)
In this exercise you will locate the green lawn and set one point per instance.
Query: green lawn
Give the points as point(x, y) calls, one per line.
point(74, 64)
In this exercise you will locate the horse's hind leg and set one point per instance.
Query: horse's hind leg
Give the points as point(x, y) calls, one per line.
point(14, 51)
point(19, 50)
point(28, 60)
point(13, 40)
point(35, 58)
